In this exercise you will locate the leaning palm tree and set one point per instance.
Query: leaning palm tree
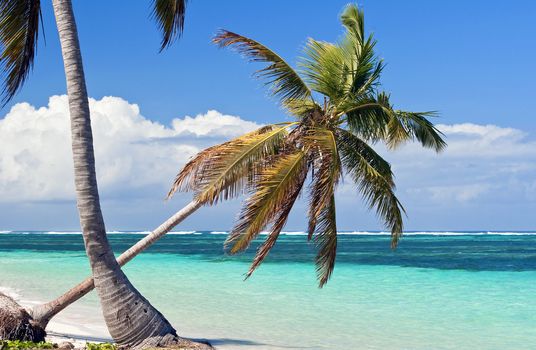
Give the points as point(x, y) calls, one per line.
point(130, 318)
point(226, 170)
point(339, 111)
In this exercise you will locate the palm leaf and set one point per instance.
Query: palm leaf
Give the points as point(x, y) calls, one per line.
point(222, 171)
point(374, 178)
point(414, 126)
point(323, 68)
point(327, 175)
point(278, 225)
point(269, 199)
point(353, 20)
point(19, 27)
point(326, 240)
point(285, 82)
point(169, 16)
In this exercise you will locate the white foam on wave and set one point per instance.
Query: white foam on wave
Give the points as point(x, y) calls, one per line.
point(218, 232)
point(5, 232)
point(58, 233)
point(183, 233)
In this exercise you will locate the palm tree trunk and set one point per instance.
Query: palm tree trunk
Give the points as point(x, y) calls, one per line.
point(131, 320)
point(42, 314)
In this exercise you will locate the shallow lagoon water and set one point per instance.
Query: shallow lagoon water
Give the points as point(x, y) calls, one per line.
point(436, 291)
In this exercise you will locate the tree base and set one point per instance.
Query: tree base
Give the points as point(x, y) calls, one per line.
point(173, 343)
point(16, 323)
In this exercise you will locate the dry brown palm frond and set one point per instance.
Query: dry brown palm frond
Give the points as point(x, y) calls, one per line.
point(197, 173)
point(326, 240)
point(228, 170)
point(269, 198)
point(279, 223)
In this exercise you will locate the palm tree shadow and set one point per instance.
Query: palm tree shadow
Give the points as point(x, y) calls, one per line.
point(245, 342)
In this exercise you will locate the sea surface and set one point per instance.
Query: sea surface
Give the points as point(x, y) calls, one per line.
point(438, 290)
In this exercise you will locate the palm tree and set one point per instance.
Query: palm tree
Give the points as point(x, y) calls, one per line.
point(249, 162)
point(130, 318)
point(339, 110)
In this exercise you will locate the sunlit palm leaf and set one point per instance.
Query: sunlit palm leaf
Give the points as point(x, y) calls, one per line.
point(374, 178)
point(169, 15)
point(326, 240)
point(353, 20)
point(326, 176)
point(269, 199)
point(279, 223)
point(19, 27)
point(222, 171)
point(284, 81)
point(363, 67)
point(323, 68)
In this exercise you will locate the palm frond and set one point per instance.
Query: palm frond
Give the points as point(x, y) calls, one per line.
point(269, 198)
point(367, 116)
point(19, 28)
point(353, 19)
point(326, 240)
point(279, 223)
point(362, 65)
point(414, 126)
point(323, 68)
point(327, 175)
point(222, 171)
point(284, 81)
point(301, 107)
point(169, 16)
point(374, 178)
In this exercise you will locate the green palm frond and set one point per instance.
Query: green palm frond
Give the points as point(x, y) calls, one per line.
point(414, 126)
point(301, 107)
point(363, 68)
point(323, 68)
point(269, 198)
point(353, 19)
point(284, 81)
point(169, 16)
point(367, 116)
point(374, 178)
point(279, 223)
point(326, 240)
point(19, 28)
point(327, 175)
point(222, 171)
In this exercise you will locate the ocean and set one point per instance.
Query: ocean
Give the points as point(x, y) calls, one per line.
point(438, 290)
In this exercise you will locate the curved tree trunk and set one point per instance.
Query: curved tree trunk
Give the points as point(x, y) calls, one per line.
point(131, 319)
point(42, 314)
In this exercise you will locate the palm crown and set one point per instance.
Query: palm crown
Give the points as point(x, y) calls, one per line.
point(338, 109)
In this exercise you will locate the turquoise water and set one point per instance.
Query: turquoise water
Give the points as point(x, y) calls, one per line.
point(455, 291)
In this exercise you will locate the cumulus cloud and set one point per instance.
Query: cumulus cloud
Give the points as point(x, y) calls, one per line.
point(481, 161)
point(132, 152)
point(484, 165)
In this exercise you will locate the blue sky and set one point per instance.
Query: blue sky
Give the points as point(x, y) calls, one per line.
point(470, 60)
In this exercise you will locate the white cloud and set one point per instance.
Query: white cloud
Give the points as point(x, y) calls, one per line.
point(132, 151)
point(486, 169)
point(480, 161)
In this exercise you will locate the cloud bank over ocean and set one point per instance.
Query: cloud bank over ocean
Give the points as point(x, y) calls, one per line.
point(487, 170)
point(132, 152)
